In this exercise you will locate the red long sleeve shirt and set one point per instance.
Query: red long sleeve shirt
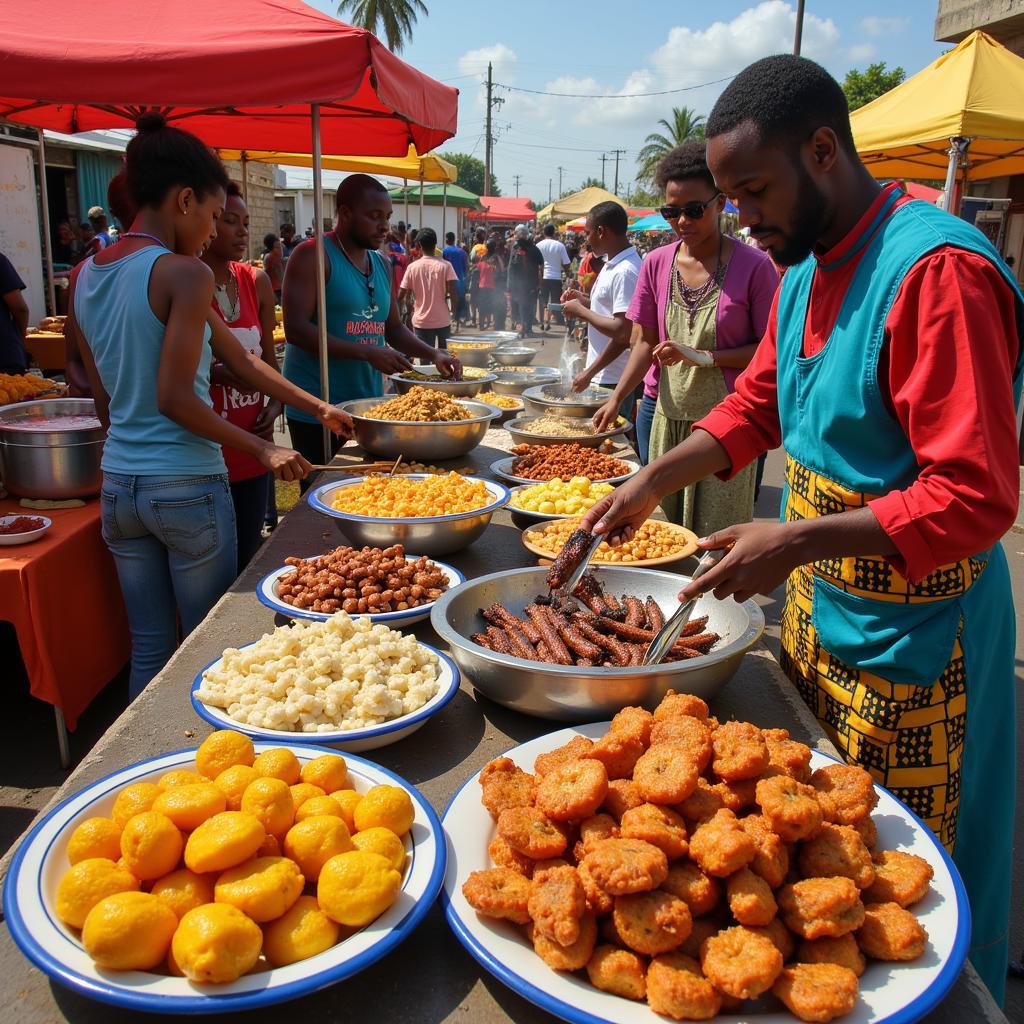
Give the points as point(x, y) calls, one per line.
point(945, 372)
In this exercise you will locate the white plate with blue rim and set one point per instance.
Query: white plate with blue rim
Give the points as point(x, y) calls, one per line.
point(890, 993)
point(29, 904)
point(353, 741)
point(266, 591)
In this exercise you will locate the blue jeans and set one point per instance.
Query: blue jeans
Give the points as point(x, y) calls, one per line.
point(644, 419)
point(249, 498)
point(173, 542)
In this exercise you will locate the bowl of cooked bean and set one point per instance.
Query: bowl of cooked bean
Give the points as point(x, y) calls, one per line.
point(551, 429)
point(421, 424)
point(469, 386)
point(532, 463)
point(384, 583)
point(432, 515)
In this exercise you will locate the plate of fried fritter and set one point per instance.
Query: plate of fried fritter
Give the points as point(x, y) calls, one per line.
point(669, 866)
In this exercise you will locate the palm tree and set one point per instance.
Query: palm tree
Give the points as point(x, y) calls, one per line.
point(392, 19)
point(685, 124)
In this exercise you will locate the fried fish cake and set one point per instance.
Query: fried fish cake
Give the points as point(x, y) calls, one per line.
point(624, 866)
point(666, 774)
point(618, 751)
point(594, 830)
point(739, 751)
point(868, 831)
point(900, 877)
point(571, 751)
point(557, 903)
point(703, 928)
point(566, 958)
point(817, 992)
point(787, 756)
point(504, 785)
point(836, 850)
point(692, 733)
point(739, 795)
point(750, 898)
point(599, 902)
point(702, 804)
point(573, 791)
point(891, 933)
point(635, 722)
point(779, 936)
point(740, 962)
point(842, 951)
point(531, 832)
point(622, 795)
point(619, 971)
point(817, 907)
point(673, 705)
point(721, 846)
point(697, 890)
point(498, 892)
point(846, 792)
point(651, 922)
point(505, 857)
point(791, 807)
point(677, 988)
point(771, 861)
point(659, 826)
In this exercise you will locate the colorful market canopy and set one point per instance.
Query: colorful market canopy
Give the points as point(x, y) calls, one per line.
point(652, 222)
point(239, 75)
point(579, 204)
point(975, 91)
point(412, 166)
point(438, 195)
point(505, 208)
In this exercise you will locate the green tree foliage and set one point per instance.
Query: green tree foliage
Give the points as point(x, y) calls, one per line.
point(684, 124)
point(864, 86)
point(471, 174)
point(391, 20)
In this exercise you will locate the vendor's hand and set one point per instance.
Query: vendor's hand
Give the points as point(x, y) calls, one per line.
point(582, 380)
point(221, 375)
point(571, 294)
point(617, 516)
point(448, 365)
point(670, 353)
point(335, 420)
point(572, 308)
point(761, 556)
point(284, 463)
point(387, 360)
point(264, 425)
point(606, 417)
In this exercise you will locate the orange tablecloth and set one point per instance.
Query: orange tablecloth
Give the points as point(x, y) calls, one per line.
point(61, 593)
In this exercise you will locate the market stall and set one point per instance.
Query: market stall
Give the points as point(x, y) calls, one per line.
point(579, 204)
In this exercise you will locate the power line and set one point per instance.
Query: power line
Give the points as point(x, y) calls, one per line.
point(614, 96)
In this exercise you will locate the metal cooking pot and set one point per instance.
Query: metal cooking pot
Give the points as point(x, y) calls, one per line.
point(53, 463)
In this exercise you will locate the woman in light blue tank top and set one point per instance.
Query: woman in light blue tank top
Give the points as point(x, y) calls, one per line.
point(141, 318)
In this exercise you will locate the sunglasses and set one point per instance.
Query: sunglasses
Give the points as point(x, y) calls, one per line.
point(691, 211)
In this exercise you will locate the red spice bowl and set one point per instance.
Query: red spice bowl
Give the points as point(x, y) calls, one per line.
point(19, 529)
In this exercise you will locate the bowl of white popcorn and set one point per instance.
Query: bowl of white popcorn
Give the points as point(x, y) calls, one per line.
point(346, 682)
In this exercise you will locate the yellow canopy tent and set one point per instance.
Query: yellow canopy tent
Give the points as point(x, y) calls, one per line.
point(965, 110)
point(579, 204)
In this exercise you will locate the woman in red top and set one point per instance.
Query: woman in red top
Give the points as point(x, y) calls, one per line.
point(244, 300)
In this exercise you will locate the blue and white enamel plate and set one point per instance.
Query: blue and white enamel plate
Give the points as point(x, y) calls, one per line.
point(353, 741)
point(30, 888)
point(266, 591)
point(890, 993)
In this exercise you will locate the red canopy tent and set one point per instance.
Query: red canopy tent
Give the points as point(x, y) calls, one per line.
point(504, 208)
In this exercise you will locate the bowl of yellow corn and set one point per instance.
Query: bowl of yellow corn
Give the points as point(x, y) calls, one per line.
point(555, 499)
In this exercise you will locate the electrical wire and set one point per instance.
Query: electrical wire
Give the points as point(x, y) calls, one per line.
point(613, 96)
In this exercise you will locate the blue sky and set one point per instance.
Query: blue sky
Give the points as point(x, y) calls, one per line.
point(608, 49)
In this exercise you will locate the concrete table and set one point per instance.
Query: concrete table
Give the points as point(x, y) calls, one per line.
point(430, 978)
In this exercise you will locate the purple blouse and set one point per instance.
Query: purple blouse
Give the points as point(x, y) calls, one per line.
point(743, 306)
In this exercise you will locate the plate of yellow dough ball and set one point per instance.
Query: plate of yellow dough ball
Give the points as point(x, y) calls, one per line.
point(224, 878)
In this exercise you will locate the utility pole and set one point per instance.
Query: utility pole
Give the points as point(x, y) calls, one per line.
point(798, 35)
point(604, 157)
point(617, 153)
point(517, 179)
point(487, 138)
point(549, 191)
point(560, 172)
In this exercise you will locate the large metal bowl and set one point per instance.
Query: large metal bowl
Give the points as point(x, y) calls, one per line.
point(558, 400)
point(478, 355)
point(514, 427)
point(56, 463)
point(466, 388)
point(579, 694)
point(426, 535)
point(449, 439)
point(509, 355)
point(510, 382)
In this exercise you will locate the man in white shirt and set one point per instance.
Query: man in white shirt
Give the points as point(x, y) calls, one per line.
point(604, 310)
point(556, 261)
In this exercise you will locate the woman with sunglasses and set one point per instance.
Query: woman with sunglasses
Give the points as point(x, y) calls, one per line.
point(702, 303)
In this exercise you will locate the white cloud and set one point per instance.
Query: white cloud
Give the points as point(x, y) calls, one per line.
point(875, 26)
point(862, 52)
point(503, 59)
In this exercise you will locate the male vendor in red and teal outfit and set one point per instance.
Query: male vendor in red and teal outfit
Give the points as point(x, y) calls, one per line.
point(890, 373)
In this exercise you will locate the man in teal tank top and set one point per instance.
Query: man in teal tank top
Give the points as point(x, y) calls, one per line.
point(890, 373)
point(366, 339)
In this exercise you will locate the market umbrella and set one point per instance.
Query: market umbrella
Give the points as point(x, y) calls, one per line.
point(516, 209)
point(579, 204)
point(652, 222)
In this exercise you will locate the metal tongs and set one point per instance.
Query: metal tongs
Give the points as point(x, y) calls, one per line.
point(577, 574)
point(669, 633)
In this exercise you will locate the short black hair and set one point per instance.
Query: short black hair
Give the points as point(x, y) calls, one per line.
point(234, 189)
point(450, 238)
point(269, 241)
point(354, 187)
point(160, 158)
point(611, 216)
point(687, 162)
point(287, 227)
point(549, 230)
point(787, 99)
point(427, 238)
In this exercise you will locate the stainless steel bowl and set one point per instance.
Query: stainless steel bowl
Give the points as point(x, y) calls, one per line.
point(59, 463)
point(450, 439)
point(474, 335)
point(466, 388)
point(508, 382)
point(508, 355)
point(480, 355)
point(577, 694)
point(426, 535)
point(557, 400)
point(504, 415)
point(514, 427)
point(503, 469)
